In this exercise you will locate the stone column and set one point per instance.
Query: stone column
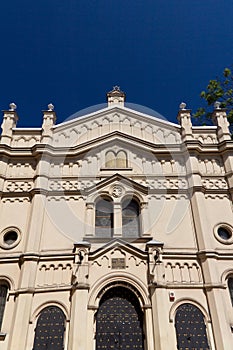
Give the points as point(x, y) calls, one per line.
point(79, 298)
point(29, 259)
point(22, 311)
point(117, 220)
point(90, 215)
point(145, 220)
point(149, 328)
point(78, 321)
point(163, 338)
point(223, 134)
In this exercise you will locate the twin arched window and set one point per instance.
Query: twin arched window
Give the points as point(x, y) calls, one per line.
point(3, 296)
point(104, 218)
point(116, 160)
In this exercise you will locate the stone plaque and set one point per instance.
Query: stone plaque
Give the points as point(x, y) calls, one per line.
point(118, 263)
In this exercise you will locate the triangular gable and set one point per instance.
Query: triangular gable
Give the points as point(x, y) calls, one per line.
point(116, 119)
point(118, 243)
point(117, 178)
point(116, 109)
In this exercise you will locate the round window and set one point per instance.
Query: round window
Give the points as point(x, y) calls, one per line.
point(223, 233)
point(10, 237)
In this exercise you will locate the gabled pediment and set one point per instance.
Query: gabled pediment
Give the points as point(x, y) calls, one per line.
point(117, 244)
point(115, 183)
point(121, 119)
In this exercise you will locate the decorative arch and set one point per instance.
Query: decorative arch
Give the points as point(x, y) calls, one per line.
point(120, 279)
point(58, 304)
point(226, 274)
point(190, 301)
point(227, 280)
point(8, 280)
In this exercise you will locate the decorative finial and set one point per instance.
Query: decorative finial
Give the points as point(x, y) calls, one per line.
point(182, 105)
point(12, 106)
point(116, 88)
point(50, 107)
point(217, 105)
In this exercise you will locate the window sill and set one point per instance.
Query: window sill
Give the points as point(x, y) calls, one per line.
point(94, 239)
point(116, 169)
point(2, 336)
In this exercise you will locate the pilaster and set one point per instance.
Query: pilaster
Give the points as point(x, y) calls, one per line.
point(10, 119)
point(220, 119)
point(79, 298)
point(184, 118)
point(49, 120)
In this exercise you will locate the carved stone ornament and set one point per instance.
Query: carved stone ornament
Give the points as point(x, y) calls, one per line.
point(117, 191)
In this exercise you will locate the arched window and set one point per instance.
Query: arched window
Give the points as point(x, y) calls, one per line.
point(230, 287)
point(121, 160)
point(104, 218)
point(110, 159)
point(116, 160)
point(3, 296)
point(50, 328)
point(190, 328)
point(130, 218)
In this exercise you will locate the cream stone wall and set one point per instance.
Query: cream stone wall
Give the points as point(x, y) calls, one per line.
point(50, 181)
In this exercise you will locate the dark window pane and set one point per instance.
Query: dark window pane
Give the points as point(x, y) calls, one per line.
point(224, 233)
point(130, 219)
point(104, 218)
point(3, 295)
point(10, 237)
point(230, 286)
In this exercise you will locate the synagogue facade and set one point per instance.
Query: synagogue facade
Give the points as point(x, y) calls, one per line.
point(116, 231)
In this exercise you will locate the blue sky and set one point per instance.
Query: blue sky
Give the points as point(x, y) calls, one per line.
point(72, 52)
